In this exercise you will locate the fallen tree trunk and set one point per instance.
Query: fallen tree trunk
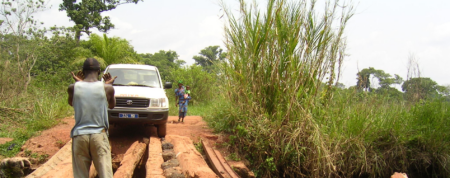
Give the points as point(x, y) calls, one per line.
point(130, 160)
point(154, 161)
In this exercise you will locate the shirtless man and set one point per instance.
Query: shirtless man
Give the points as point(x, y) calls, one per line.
point(91, 99)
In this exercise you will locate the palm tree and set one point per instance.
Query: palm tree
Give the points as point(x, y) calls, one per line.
point(107, 51)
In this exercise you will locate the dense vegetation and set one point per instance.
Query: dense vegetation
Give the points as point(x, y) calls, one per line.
point(274, 91)
point(287, 115)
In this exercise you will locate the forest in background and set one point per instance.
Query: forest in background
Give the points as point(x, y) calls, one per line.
point(274, 91)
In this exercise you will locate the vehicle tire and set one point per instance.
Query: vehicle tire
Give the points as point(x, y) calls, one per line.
point(161, 130)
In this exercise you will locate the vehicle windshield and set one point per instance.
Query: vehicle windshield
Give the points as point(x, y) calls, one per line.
point(135, 77)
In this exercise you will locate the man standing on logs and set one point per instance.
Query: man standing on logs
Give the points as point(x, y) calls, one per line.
point(90, 99)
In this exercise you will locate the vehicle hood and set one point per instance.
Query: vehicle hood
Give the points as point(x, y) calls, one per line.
point(138, 91)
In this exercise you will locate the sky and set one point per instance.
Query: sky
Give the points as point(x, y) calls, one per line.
point(382, 33)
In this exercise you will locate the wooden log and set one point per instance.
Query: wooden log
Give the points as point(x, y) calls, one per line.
point(214, 161)
point(218, 163)
point(154, 161)
point(63, 155)
point(191, 161)
point(130, 160)
point(64, 169)
point(226, 165)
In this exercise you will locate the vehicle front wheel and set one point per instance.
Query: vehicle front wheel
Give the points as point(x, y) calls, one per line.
point(161, 130)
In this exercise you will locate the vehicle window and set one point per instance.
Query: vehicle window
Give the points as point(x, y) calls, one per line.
point(135, 77)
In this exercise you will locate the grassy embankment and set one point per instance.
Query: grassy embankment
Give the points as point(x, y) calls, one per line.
point(40, 108)
point(286, 117)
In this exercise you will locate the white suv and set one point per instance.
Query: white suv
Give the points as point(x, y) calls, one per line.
point(140, 96)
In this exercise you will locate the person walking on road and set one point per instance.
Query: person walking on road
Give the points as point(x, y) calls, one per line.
point(91, 99)
point(181, 99)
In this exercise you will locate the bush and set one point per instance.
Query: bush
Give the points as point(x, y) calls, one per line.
point(204, 85)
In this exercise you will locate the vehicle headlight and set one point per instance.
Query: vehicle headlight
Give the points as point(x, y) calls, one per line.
point(158, 102)
point(164, 102)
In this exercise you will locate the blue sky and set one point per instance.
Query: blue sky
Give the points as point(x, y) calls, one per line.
point(381, 34)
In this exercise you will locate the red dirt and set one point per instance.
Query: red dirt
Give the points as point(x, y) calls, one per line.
point(51, 140)
point(193, 127)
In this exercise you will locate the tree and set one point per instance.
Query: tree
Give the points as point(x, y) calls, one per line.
point(384, 79)
point(420, 88)
point(107, 50)
point(444, 91)
point(166, 61)
point(20, 40)
point(87, 14)
point(209, 56)
point(55, 53)
point(364, 78)
point(340, 85)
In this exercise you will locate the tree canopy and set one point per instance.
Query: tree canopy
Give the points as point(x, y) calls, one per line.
point(87, 14)
point(166, 61)
point(385, 80)
point(209, 55)
point(420, 88)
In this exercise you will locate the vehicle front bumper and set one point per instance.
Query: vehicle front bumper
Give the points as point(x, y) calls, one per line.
point(151, 116)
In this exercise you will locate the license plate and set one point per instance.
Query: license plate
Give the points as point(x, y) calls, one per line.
point(127, 115)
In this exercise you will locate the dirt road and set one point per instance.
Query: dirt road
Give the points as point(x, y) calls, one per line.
point(136, 151)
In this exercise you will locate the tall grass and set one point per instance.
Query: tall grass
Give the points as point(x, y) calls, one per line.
point(277, 62)
point(27, 113)
point(378, 136)
point(289, 120)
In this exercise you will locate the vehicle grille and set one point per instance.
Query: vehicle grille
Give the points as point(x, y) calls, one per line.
point(123, 102)
point(157, 116)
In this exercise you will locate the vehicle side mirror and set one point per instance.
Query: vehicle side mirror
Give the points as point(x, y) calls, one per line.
point(168, 85)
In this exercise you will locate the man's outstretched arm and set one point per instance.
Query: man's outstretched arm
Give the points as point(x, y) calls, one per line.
point(70, 90)
point(110, 96)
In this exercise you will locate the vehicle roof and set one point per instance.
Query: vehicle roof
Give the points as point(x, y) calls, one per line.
point(131, 66)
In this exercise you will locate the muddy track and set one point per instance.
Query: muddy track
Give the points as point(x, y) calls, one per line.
point(137, 152)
